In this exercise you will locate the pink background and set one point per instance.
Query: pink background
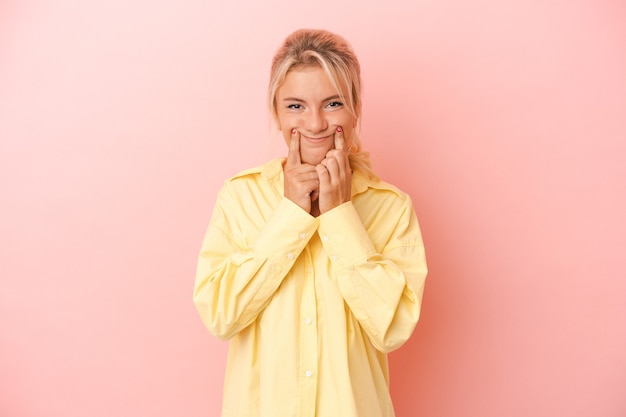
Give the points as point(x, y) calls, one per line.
point(506, 122)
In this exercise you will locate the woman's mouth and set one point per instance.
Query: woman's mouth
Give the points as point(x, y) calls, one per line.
point(316, 139)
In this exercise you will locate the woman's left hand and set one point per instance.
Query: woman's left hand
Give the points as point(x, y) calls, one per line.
point(335, 175)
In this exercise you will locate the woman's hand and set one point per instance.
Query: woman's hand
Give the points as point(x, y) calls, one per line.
point(335, 175)
point(301, 180)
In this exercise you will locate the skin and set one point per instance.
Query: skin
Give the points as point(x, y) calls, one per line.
point(318, 129)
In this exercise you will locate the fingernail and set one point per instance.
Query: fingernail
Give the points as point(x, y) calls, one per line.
point(293, 131)
point(339, 129)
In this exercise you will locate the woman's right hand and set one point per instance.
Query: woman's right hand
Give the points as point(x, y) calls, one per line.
point(301, 180)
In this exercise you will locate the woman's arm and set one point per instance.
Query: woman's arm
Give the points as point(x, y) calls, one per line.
point(239, 270)
point(381, 282)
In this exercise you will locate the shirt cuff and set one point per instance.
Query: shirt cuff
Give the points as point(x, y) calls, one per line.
point(344, 236)
point(286, 233)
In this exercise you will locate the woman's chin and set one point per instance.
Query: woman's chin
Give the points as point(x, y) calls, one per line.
point(313, 157)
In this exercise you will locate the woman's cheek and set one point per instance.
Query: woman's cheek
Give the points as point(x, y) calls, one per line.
point(287, 136)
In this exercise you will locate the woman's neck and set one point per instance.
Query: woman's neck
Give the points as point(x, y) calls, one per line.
point(315, 208)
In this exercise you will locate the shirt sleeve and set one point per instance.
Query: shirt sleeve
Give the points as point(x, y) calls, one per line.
point(383, 288)
point(237, 273)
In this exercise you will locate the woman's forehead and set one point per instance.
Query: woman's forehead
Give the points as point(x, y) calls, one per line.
point(308, 80)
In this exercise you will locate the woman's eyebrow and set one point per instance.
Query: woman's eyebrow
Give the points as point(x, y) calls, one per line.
point(335, 97)
point(293, 99)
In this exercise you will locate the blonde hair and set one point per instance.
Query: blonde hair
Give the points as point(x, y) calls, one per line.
point(331, 52)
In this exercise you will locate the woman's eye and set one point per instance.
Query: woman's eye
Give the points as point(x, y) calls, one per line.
point(294, 106)
point(334, 104)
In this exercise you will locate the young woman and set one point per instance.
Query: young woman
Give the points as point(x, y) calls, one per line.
point(311, 266)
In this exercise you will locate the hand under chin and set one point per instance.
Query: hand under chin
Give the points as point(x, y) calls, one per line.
point(315, 195)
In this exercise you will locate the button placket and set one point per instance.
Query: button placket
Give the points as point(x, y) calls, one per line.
point(308, 333)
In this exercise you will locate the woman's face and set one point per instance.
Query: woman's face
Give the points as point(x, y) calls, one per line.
point(307, 102)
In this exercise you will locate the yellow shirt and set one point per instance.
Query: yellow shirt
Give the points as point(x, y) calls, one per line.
point(311, 305)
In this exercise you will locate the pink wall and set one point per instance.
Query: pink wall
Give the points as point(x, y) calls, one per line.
point(506, 121)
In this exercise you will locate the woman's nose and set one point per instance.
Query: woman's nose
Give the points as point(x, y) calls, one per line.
point(316, 122)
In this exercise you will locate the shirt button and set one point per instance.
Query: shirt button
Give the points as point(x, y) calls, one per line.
point(308, 320)
point(334, 257)
point(302, 236)
point(325, 238)
point(308, 374)
point(290, 255)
